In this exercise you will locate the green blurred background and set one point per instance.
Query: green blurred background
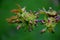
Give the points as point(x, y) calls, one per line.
point(9, 32)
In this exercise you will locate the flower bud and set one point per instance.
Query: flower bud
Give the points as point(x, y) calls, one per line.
point(18, 27)
point(42, 21)
point(44, 30)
